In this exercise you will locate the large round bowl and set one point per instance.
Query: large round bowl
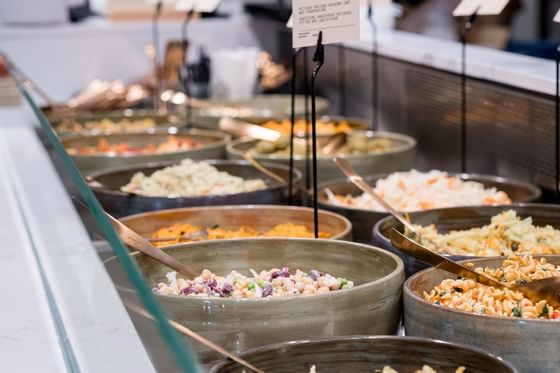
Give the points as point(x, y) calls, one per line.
point(260, 217)
point(212, 147)
point(354, 124)
point(106, 186)
point(367, 354)
point(253, 109)
point(64, 126)
point(372, 306)
point(531, 345)
point(400, 157)
point(460, 218)
point(363, 220)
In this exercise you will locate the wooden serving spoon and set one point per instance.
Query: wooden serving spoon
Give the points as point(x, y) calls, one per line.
point(546, 289)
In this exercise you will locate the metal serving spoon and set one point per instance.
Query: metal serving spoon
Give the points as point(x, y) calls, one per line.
point(198, 235)
point(137, 242)
point(197, 337)
point(366, 188)
point(546, 289)
point(335, 143)
point(245, 129)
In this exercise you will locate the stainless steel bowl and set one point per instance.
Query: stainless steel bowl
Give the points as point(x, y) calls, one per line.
point(213, 147)
point(364, 220)
point(162, 121)
point(372, 306)
point(366, 354)
point(253, 109)
point(399, 158)
point(106, 186)
point(531, 345)
point(260, 217)
point(460, 218)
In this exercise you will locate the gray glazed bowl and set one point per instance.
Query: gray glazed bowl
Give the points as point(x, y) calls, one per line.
point(372, 306)
point(460, 218)
point(253, 109)
point(261, 217)
point(364, 220)
point(530, 345)
point(106, 186)
point(162, 121)
point(213, 147)
point(365, 354)
point(399, 158)
point(355, 124)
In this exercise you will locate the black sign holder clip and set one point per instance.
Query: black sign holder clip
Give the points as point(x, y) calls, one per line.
point(557, 115)
point(155, 43)
point(187, 78)
point(374, 70)
point(293, 121)
point(319, 59)
point(466, 29)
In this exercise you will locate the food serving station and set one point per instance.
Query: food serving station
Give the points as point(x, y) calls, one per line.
point(397, 210)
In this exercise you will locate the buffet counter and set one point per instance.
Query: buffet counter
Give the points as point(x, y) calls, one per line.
point(61, 310)
point(515, 70)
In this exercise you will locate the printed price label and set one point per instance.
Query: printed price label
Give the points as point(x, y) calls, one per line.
point(202, 6)
point(557, 17)
point(484, 7)
point(339, 20)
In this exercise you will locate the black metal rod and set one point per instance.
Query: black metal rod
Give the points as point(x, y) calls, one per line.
point(155, 43)
point(306, 116)
point(374, 71)
point(557, 139)
point(464, 35)
point(319, 59)
point(342, 79)
point(187, 82)
point(293, 121)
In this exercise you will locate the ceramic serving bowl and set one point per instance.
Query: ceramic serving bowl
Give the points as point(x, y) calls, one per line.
point(366, 354)
point(363, 220)
point(531, 345)
point(212, 146)
point(460, 218)
point(260, 217)
point(372, 306)
point(74, 123)
point(400, 157)
point(252, 109)
point(354, 124)
point(106, 186)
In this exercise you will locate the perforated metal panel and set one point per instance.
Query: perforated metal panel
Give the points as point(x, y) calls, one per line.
point(510, 132)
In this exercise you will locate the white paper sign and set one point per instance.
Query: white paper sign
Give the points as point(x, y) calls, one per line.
point(339, 20)
point(202, 6)
point(290, 23)
point(557, 17)
point(485, 7)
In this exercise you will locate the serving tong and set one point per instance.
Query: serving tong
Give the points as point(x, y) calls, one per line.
point(547, 289)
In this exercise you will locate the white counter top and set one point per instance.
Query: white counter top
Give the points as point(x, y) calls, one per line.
point(533, 74)
point(61, 312)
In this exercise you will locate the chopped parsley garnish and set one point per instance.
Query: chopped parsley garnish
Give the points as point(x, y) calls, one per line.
point(516, 311)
